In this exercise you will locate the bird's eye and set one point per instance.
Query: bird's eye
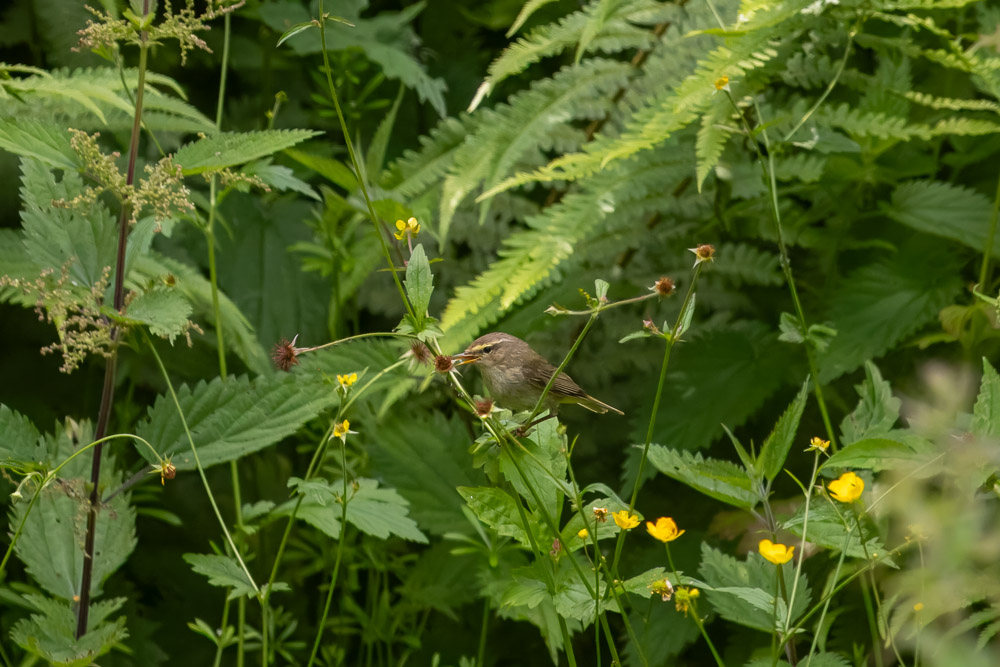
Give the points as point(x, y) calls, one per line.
point(487, 349)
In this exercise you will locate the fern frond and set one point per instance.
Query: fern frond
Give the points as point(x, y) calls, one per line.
point(617, 32)
point(413, 173)
point(534, 257)
point(805, 167)
point(949, 103)
point(865, 124)
point(518, 132)
point(651, 126)
point(228, 149)
point(745, 264)
point(712, 137)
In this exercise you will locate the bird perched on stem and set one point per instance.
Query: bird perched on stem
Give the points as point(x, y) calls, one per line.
point(515, 375)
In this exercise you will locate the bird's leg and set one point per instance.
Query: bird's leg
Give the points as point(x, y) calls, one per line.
point(521, 431)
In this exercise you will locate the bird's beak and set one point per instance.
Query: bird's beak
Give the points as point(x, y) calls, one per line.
point(465, 358)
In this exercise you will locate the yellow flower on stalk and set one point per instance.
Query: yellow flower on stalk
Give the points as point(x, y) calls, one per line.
point(411, 227)
point(625, 520)
point(847, 488)
point(685, 597)
point(347, 380)
point(776, 553)
point(819, 444)
point(342, 429)
point(583, 533)
point(722, 83)
point(665, 529)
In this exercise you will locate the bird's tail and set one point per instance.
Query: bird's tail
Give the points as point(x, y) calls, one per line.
point(594, 405)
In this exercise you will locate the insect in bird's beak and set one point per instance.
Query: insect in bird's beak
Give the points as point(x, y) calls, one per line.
point(465, 358)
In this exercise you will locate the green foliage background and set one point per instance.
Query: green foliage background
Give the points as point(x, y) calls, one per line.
point(590, 141)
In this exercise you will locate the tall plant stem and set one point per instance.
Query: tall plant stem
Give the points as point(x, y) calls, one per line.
point(356, 163)
point(340, 554)
point(767, 167)
point(108, 389)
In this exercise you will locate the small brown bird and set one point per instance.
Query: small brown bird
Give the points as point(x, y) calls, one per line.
point(515, 375)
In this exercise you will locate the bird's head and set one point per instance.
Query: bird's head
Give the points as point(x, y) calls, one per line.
point(492, 351)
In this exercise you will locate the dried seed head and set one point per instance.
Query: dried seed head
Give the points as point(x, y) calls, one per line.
point(703, 253)
point(284, 354)
point(443, 364)
point(484, 408)
point(420, 352)
point(664, 286)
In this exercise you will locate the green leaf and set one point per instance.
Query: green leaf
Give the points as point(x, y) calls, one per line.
point(942, 209)
point(32, 139)
point(50, 545)
point(228, 149)
point(826, 529)
point(419, 283)
point(333, 170)
point(51, 633)
point(876, 454)
point(776, 447)
point(740, 589)
point(280, 177)
point(986, 413)
point(19, 446)
point(382, 512)
point(226, 572)
point(877, 411)
point(164, 310)
point(419, 455)
point(55, 237)
point(497, 509)
point(717, 479)
point(880, 304)
point(232, 417)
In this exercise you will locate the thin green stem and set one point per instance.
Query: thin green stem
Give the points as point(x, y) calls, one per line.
point(197, 462)
point(767, 167)
point(484, 626)
point(984, 270)
point(829, 88)
point(356, 163)
point(802, 543)
point(220, 646)
point(704, 634)
point(20, 527)
point(340, 553)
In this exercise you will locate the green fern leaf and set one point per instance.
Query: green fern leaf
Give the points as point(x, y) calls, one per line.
point(229, 149)
point(949, 103)
point(519, 132)
point(712, 137)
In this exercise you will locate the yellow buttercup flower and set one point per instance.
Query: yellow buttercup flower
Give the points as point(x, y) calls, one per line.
point(341, 430)
point(625, 520)
point(819, 444)
point(847, 488)
point(583, 533)
point(776, 553)
point(721, 83)
point(665, 529)
point(411, 227)
point(347, 380)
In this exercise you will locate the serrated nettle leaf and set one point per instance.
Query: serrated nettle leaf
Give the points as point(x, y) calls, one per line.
point(419, 283)
point(791, 329)
point(381, 512)
point(19, 446)
point(164, 310)
point(51, 633)
point(317, 490)
point(40, 141)
point(232, 417)
point(876, 412)
point(228, 149)
point(225, 572)
point(497, 509)
point(986, 412)
point(827, 529)
point(778, 444)
point(760, 600)
point(739, 590)
point(717, 479)
point(524, 590)
point(877, 454)
point(944, 209)
point(50, 545)
point(573, 600)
